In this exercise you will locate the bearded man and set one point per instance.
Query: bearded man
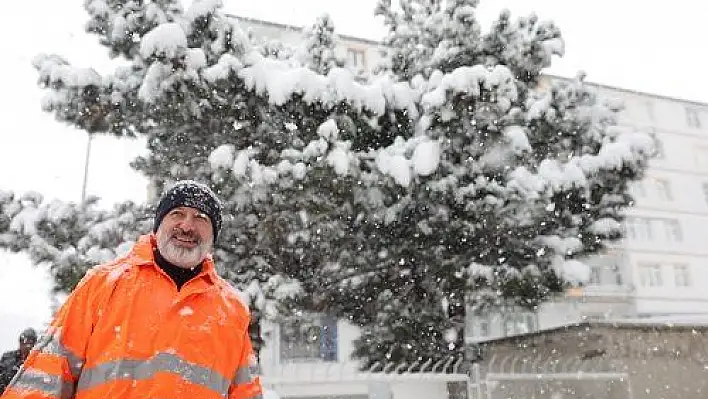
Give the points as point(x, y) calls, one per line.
point(155, 323)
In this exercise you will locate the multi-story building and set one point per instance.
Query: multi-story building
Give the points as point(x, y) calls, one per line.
point(658, 268)
point(656, 271)
point(361, 54)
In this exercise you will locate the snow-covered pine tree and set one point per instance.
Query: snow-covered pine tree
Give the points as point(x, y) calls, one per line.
point(449, 178)
point(523, 180)
point(318, 51)
point(69, 237)
point(263, 131)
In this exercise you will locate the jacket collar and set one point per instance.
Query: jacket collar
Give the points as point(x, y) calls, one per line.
point(143, 254)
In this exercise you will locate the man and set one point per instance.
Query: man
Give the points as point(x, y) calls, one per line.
point(11, 361)
point(157, 323)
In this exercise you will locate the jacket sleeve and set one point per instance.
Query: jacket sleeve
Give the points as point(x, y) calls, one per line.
point(54, 365)
point(5, 372)
point(245, 384)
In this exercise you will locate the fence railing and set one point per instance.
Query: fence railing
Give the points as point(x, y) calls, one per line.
point(448, 369)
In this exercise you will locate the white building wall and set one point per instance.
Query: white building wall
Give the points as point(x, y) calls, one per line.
point(670, 213)
point(415, 390)
point(297, 374)
point(364, 53)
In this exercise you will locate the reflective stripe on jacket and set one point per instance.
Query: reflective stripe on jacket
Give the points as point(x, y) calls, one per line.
point(127, 332)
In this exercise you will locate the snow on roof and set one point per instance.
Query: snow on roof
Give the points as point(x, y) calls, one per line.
point(660, 322)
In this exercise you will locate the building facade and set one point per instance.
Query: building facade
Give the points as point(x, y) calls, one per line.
point(659, 266)
point(359, 54)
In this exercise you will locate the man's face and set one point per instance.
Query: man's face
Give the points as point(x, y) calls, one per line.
point(25, 347)
point(185, 237)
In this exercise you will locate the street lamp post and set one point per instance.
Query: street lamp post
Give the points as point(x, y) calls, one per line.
point(86, 167)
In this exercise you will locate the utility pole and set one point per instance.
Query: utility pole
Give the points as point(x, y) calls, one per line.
point(86, 166)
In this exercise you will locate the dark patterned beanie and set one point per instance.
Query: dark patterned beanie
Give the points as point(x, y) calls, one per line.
point(193, 195)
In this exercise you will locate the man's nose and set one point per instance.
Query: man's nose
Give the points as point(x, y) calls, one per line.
point(187, 224)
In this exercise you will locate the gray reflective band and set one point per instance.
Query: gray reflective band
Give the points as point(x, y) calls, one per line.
point(259, 396)
point(49, 384)
point(51, 344)
point(243, 376)
point(146, 369)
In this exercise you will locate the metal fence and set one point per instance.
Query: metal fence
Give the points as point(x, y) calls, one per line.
point(446, 373)
point(501, 377)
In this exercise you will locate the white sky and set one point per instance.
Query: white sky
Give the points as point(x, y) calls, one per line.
point(632, 44)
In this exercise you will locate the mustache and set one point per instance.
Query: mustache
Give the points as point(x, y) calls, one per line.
point(188, 235)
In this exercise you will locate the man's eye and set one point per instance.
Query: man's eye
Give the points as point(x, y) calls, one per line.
point(202, 216)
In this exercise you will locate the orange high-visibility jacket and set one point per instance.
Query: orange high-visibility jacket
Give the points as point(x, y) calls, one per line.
point(127, 332)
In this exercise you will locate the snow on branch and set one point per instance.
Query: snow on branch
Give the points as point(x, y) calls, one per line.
point(70, 237)
point(472, 80)
point(280, 81)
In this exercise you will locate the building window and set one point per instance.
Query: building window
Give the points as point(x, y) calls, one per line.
point(595, 275)
point(672, 230)
point(505, 321)
point(642, 229)
point(682, 277)
point(617, 271)
point(309, 339)
point(479, 326)
point(638, 189)
point(356, 58)
point(655, 188)
point(484, 329)
point(519, 323)
point(650, 275)
point(638, 229)
point(662, 188)
point(693, 117)
point(659, 149)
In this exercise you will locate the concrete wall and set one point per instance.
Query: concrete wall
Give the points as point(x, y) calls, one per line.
point(662, 362)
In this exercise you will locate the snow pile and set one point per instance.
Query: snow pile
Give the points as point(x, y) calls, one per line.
point(606, 227)
point(426, 157)
point(56, 71)
point(471, 80)
point(154, 80)
point(202, 8)
point(340, 158)
point(478, 270)
point(223, 157)
point(165, 40)
point(516, 136)
point(392, 161)
point(562, 245)
point(328, 130)
point(405, 159)
point(279, 81)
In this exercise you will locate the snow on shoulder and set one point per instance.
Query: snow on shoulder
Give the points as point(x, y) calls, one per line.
point(230, 293)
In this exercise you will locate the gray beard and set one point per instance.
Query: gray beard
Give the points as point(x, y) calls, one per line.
point(185, 258)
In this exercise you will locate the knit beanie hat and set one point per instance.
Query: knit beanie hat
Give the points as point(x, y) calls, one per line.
point(193, 195)
point(28, 336)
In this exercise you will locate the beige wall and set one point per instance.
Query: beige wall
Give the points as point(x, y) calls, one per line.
point(661, 362)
